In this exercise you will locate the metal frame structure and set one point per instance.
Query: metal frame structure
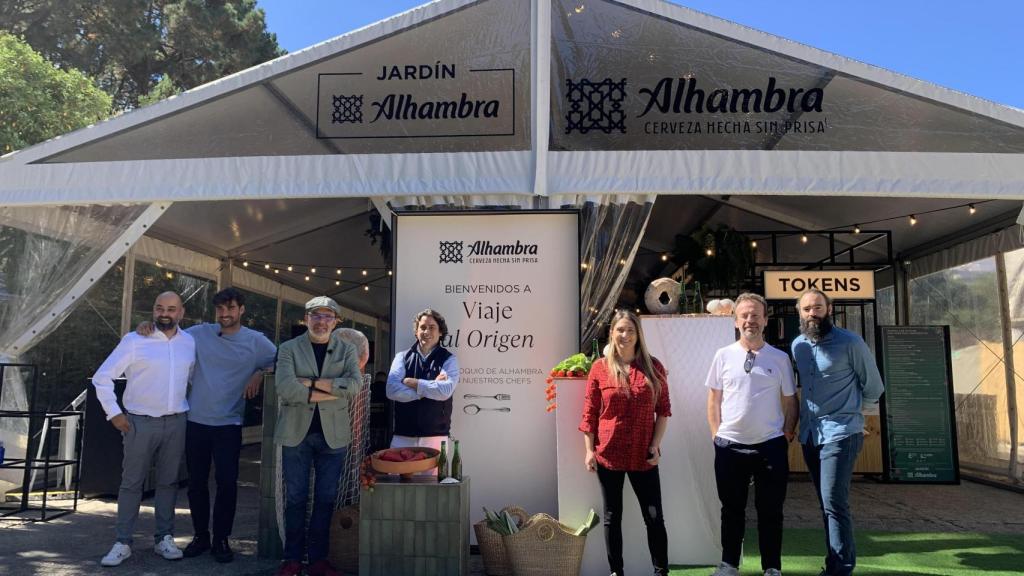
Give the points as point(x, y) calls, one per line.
point(32, 465)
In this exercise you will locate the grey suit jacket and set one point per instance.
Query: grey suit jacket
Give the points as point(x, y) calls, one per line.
point(295, 359)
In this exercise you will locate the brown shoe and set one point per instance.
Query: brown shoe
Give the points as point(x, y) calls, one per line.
point(322, 568)
point(289, 568)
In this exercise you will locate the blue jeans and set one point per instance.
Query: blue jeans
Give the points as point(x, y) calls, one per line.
point(296, 461)
point(831, 466)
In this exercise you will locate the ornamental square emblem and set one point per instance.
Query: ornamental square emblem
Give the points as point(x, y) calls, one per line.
point(347, 109)
point(451, 252)
point(595, 106)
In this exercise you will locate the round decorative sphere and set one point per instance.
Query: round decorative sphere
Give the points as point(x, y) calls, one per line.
point(662, 296)
point(726, 306)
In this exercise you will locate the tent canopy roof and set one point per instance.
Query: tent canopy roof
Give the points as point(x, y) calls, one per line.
point(264, 133)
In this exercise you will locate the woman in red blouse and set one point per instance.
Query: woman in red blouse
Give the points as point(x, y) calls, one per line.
point(624, 418)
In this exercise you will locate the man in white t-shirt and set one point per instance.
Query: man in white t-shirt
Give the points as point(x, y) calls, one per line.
point(752, 412)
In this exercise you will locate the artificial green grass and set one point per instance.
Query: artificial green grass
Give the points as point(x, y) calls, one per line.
point(891, 554)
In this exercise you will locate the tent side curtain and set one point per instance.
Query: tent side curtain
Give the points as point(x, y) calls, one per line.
point(791, 173)
point(357, 175)
point(1006, 240)
point(609, 239)
point(48, 256)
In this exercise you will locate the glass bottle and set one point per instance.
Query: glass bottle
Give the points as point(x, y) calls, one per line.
point(456, 462)
point(442, 463)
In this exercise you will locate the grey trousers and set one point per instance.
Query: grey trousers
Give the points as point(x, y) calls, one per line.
point(150, 439)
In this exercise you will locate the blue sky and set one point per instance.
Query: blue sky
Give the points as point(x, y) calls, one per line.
point(974, 47)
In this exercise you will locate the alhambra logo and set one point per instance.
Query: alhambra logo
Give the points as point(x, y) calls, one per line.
point(451, 252)
point(673, 105)
point(595, 106)
point(486, 252)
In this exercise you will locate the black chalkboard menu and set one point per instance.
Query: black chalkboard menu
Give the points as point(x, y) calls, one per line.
point(917, 411)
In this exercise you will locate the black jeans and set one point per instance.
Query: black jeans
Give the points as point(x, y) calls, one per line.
point(647, 487)
point(222, 445)
point(768, 464)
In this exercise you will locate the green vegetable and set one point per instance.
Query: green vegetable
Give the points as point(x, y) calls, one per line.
point(576, 362)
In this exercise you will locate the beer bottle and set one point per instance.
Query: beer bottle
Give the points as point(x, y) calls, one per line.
point(456, 463)
point(442, 463)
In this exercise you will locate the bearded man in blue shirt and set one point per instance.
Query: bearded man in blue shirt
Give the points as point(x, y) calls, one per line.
point(838, 376)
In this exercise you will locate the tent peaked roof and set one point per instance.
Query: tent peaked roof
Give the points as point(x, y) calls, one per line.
point(286, 128)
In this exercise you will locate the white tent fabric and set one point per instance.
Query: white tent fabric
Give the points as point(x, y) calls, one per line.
point(101, 163)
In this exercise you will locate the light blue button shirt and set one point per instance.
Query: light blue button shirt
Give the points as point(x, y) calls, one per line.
point(224, 364)
point(837, 376)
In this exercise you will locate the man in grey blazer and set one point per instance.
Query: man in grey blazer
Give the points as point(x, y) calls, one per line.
point(317, 377)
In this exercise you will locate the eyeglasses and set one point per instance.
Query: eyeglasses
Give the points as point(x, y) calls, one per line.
point(748, 364)
point(327, 318)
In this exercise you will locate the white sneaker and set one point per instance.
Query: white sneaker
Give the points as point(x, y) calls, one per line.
point(725, 569)
point(117, 554)
point(773, 572)
point(168, 549)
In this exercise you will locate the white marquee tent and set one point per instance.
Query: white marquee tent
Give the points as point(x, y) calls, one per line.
point(511, 103)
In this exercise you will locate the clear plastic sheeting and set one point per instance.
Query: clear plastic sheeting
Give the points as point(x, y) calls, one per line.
point(966, 298)
point(44, 251)
point(610, 237)
point(626, 79)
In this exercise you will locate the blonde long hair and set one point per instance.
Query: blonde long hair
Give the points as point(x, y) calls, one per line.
point(618, 368)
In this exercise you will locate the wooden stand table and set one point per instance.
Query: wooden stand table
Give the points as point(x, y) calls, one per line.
point(415, 527)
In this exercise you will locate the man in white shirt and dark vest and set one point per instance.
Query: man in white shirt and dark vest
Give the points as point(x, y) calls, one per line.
point(152, 423)
point(421, 382)
point(752, 410)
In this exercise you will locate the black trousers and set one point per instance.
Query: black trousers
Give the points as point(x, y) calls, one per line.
point(647, 487)
point(768, 464)
point(221, 445)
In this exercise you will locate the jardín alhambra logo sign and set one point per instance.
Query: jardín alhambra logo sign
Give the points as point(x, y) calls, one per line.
point(413, 100)
point(486, 252)
point(685, 105)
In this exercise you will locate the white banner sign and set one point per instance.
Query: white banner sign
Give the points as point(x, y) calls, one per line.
point(838, 284)
point(508, 285)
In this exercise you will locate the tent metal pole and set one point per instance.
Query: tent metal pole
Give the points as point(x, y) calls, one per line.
point(1010, 375)
point(540, 86)
point(127, 289)
point(901, 292)
point(102, 264)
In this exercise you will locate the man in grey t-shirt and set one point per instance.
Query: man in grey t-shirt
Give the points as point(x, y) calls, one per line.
point(230, 362)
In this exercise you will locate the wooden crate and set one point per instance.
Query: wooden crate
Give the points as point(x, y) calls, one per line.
point(414, 528)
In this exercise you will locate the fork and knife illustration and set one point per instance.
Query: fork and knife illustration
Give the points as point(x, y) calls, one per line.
point(475, 408)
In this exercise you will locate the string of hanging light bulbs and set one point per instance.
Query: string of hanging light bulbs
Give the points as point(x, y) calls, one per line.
point(307, 272)
point(913, 218)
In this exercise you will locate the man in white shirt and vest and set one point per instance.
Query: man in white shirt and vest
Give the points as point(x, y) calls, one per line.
point(152, 423)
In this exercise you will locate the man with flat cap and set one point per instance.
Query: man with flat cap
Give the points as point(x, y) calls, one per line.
point(317, 377)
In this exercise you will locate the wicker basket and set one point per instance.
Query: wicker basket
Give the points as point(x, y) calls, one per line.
point(344, 546)
point(492, 549)
point(544, 547)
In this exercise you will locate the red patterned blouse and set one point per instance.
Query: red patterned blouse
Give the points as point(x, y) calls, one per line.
point(622, 424)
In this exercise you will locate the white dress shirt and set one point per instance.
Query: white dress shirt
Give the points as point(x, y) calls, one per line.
point(157, 369)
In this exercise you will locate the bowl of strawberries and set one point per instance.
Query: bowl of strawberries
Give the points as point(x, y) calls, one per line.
point(405, 461)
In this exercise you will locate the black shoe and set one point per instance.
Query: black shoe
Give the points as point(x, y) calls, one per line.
point(200, 543)
point(222, 550)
